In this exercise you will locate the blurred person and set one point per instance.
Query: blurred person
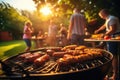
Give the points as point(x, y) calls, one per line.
point(45, 40)
point(77, 28)
point(27, 33)
point(40, 33)
point(45, 35)
point(112, 27)
point(52, 32)
point(40, 38)
point(63, 35)
point(63, 30)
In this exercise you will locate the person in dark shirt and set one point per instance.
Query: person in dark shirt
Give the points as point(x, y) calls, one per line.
point(77, 28)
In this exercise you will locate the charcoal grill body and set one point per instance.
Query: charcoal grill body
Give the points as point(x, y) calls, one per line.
point(94, 73)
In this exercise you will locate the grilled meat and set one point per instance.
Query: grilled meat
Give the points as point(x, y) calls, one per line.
point(32, 57)
point(23, 56)
point(87, 55)
point(50, 52)
point(41, 60)
point(59, 54)
point(70, 47)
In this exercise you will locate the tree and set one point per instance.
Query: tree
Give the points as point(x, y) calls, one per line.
point(11, 20)
point(90, 8)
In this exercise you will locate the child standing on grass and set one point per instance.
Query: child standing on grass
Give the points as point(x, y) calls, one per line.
point(27, 32)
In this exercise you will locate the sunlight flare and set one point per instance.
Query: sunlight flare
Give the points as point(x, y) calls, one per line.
point(46, 10)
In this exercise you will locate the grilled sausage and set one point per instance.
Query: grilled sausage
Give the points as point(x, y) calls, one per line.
point(59, 54)
point(82, 47)
point(41, 60)
point(32, 57)
point(50, 52)
point(66, 60)
point(56, 48)
point(70, 47)
point(70, 59)
point(62, 62)
point(23, 56)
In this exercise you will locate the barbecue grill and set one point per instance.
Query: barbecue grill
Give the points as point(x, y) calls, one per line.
point(95, 69)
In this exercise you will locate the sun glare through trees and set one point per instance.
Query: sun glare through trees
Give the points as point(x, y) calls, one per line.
point(45, 10)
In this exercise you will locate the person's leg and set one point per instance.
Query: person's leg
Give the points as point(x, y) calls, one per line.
point(81, 40)
point(28, 43)
point(115, 67)
point(40, 43)
point(74, 39)
point(64, 41)
point(101, 45)
point(113, 48)
point(36, 43)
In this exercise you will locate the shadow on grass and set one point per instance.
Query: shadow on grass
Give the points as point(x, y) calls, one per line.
point(14, 51)
point(12, 48)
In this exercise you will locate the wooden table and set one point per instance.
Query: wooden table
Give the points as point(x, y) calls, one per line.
point(99, 40)
point(92, 41)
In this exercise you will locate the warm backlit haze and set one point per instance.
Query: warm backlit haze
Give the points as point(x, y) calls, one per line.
point(27, 5)
point(45, 10)
point(21, 4)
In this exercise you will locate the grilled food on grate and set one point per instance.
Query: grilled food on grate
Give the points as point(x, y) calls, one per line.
point(88, 62)
point(67, 55)
point(41, 60)
point(80, 56)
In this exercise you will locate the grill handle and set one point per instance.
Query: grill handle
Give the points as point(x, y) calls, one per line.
point(25, 73)
point(8, 69)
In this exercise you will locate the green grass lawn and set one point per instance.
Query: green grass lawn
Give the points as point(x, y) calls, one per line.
point(10, 48)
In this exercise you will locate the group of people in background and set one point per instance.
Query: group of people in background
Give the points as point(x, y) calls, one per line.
point(76, 32)
point(52, 38)
point(57, 36)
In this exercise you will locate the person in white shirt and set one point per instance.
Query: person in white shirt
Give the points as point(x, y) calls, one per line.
point(112, 27)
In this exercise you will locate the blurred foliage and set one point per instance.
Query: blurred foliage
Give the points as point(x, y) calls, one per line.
point(90, 8)
point(11, 20)
point(41, 21)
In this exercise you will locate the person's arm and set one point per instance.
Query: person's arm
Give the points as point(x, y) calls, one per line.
point(60, 30)
point(25, 30)
point(32, 29)
point(85, 26)
point(112, 29)
point(70, 30)
point(100, 29)
point(28, 28)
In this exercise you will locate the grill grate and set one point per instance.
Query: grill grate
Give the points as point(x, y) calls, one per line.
point(57, 68)
point(52, 66)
